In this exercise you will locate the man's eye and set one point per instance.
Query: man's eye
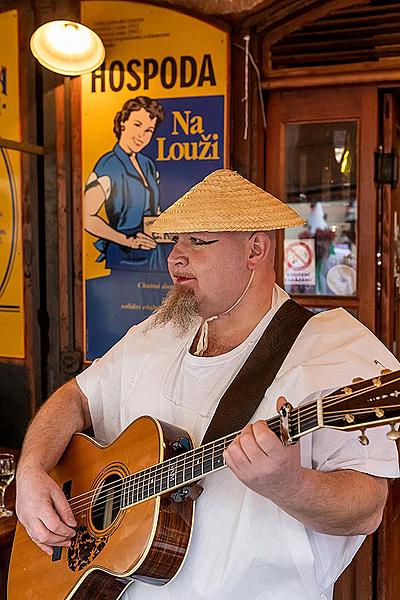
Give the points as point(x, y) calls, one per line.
point(199, 242)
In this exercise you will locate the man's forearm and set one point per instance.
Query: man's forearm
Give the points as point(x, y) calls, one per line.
point(336, 503)
point(64, 413)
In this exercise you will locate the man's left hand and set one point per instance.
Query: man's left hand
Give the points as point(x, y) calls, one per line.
point(341, 502)
point(260, 460)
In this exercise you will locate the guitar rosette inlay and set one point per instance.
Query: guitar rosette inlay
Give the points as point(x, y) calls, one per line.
point(84, 548)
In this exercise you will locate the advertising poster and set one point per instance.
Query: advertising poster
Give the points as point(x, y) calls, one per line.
point(11, 267)
point(153, 125)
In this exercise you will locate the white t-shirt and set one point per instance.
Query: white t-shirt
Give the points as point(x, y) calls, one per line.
point(243, 545)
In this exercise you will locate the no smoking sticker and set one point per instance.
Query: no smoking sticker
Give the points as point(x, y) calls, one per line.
point(300, 262)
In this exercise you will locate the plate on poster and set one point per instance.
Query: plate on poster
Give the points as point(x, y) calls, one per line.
point(341, 280)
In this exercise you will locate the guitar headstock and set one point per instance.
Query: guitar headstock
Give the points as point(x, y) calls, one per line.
point(365, 403)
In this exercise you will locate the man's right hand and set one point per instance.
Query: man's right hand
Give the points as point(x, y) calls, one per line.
point(43, 509)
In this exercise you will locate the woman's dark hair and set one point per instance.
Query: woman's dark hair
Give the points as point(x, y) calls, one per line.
point(153, 107)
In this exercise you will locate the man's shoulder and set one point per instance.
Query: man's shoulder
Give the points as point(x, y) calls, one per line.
point(336, 328)
point(332, 349)
point(334, 321)
point(334, 340)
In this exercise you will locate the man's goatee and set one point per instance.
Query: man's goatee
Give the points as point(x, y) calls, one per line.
point(179, 307)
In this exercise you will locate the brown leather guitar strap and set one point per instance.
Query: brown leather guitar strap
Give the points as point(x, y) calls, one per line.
point(241, 399)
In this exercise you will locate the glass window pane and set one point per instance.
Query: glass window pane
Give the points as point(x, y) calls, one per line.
point(321, 185)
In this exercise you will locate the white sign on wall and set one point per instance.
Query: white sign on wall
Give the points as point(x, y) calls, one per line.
point(300, 262)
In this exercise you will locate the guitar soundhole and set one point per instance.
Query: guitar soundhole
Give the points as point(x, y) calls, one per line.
point(107, 502)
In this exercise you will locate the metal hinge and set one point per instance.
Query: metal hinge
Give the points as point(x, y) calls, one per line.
point(386, 167)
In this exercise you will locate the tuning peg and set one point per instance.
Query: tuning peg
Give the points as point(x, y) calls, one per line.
point(363, 438)
point(393, 434)
point(357, 379)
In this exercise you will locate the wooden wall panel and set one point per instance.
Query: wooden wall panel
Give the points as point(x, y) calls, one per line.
point(247, 156)
point(21, 380)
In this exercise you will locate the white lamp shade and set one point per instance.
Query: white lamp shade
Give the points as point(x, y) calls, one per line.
point(68, 48)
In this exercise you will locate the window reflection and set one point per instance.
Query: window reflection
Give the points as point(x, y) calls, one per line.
point(321, 184)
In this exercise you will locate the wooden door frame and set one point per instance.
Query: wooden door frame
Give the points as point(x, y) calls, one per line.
point(388, 199)
point(388, 544)
point(356, 103)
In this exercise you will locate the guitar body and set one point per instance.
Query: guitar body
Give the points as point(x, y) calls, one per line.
point(113, 546)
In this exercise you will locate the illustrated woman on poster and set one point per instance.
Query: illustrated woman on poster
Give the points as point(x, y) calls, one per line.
point(124, 182)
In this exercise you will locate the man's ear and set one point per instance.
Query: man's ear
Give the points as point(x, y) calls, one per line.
point(260, 247)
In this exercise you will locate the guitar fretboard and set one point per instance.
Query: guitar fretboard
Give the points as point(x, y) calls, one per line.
point(192, 465)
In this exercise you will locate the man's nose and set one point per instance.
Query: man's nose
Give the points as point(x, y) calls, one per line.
point(178, 256)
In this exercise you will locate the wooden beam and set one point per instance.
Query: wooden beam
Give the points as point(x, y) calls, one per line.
point(264, 12)
point(337, 57)
point(336, 77)
point(21, 146)
point(378, 40)
point(308, 15)
point(342, 21)
point(368, 55)
point(326, 301)
point(305, 35)
point(370, 8)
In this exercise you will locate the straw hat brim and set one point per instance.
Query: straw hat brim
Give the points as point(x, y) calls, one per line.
point(225, 201)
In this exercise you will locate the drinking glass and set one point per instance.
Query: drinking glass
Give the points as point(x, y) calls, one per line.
point(7, 472)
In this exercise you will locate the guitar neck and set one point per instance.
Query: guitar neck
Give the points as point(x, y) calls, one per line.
point(363, 404)
point(192, 465)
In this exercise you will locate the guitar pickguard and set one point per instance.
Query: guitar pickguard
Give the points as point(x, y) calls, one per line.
point(84, 548)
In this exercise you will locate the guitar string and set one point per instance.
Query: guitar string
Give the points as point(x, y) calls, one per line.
point(206, 454)
point(273, 421)
point(309, 409)
point(148, 478)
point(162, 473)
point(178, 459)
point(140, 484)
point(358, 410)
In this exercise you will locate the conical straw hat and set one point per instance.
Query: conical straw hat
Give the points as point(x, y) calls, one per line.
point(226, 201)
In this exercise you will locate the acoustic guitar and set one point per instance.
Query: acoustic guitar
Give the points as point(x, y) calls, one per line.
point(134, 499)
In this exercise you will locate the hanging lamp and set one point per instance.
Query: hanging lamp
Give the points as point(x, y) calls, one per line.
point(67, 47)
